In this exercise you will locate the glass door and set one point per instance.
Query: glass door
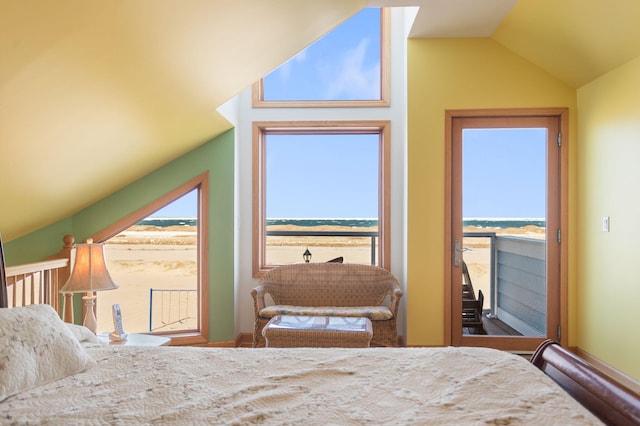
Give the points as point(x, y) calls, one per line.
point(505, 231)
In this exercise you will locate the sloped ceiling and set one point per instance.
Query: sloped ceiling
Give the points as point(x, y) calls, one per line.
point(94, 95)
point(574, 40)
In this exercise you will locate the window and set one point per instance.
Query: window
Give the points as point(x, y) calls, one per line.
point(156, 256)
point(322, 187)
point(347, 67)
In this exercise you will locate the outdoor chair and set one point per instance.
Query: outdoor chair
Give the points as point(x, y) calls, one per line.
point(471, 306)
point(472, 314)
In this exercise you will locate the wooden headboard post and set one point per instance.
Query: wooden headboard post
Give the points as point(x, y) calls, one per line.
point(63, 276)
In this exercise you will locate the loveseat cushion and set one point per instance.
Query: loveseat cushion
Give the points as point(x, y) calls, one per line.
point(374, 313)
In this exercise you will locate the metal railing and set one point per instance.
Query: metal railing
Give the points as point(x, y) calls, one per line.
point(492, 264)
point(168, 309)
point(372, 234)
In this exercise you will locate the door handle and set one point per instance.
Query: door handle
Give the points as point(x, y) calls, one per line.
point(457, 256)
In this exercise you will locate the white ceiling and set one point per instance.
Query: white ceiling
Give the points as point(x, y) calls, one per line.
point(453, 18)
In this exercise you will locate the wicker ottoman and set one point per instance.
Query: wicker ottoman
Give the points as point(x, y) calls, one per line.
point(289, 331)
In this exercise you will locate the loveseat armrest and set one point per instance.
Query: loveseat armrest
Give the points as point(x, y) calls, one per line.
point(258, 294)
point(394, 300)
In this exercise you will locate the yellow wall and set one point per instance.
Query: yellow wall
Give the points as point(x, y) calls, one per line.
point(456, 74)
point(609, 177)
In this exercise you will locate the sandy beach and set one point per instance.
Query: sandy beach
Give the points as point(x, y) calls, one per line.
point(144, 258)
point(148, 257)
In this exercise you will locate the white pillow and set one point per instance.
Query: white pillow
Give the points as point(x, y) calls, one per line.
point(36, 347)
point(82, 333)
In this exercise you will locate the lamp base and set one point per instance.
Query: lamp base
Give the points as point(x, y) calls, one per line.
point(90, 320)
point(114, 336)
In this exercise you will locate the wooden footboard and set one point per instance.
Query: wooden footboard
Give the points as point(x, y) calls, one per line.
point(4, 300)
point(612, 402)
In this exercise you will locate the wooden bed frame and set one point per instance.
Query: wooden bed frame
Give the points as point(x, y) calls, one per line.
point(612, 402)
point(4, 301)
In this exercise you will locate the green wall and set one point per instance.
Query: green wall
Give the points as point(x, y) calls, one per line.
point(609, 129)
point(216, 157)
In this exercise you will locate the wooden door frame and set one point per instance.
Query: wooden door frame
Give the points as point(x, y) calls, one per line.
point(507, 343)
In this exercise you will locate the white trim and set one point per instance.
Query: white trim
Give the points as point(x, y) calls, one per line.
point(240, 112)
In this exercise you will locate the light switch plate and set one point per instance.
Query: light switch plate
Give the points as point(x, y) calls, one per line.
point(605, 223)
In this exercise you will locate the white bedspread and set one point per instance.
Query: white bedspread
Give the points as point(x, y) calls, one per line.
point(301, 386)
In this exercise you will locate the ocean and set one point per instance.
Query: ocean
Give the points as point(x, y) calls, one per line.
point(352, 223)
point(356, 222)
point(503, 223)
point(164, 222)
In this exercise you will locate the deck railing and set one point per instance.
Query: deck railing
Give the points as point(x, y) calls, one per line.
point(372, 234)
point(174, 306)
point(492, 265)
point(34, 283)
point(517, 281)
point(521, 284)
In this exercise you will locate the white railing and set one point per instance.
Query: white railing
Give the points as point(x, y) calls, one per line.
point(174, 306)
point(34, 283)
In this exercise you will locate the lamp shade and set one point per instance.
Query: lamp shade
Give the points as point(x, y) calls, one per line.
point(89, 270)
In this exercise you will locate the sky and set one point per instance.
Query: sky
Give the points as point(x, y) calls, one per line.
point(504, 173)
point(337, 177)
point(322, 176)
point(342, 65)
point(327, 176)
point(185, 206)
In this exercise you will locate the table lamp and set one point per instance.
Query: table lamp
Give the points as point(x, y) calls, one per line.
point(89, 275)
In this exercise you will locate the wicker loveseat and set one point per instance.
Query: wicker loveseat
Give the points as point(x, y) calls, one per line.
point(333, 289)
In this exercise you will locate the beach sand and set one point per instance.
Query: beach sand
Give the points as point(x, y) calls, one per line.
point(145, 257)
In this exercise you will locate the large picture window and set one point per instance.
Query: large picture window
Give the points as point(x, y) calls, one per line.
point(321, 188)
point(347, 67)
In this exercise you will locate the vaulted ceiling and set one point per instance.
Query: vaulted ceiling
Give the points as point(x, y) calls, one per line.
point(94, 95)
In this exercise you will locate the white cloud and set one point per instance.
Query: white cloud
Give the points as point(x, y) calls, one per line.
point(353, 80)
point(285, 70)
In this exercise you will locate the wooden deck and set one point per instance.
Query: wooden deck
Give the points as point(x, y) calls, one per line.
point(494, 327)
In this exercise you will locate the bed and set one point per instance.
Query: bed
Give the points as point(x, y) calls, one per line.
point(54, 372)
